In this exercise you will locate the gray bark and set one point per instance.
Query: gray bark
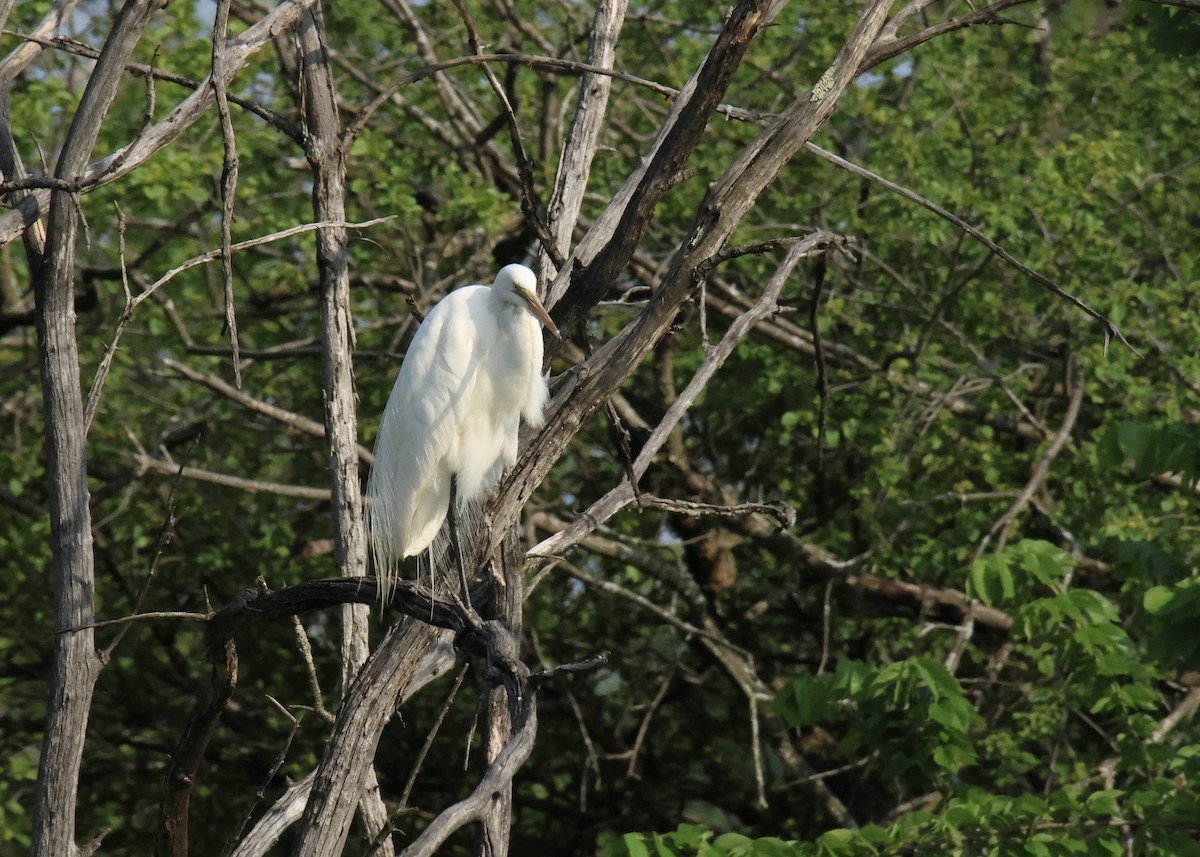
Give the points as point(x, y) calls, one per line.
point(328, 160)
point(579, 146)
point(327, 157)
point(495, 830)
point(410, 656)
point(76, 664)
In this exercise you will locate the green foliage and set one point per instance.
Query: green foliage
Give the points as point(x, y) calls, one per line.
point(1025, 568)
point(1174, 615)
point(1171, 448)
point(1101, 822)
point(690, 840)
point(1050, 720)
point(912, 713)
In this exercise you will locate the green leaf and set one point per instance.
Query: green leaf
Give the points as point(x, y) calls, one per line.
point(1133, 439)
point(635, 845)
point(1157, 599)
point(1104, 802)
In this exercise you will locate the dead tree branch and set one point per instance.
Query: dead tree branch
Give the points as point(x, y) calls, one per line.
point(229, 177)
point(583, 137)
point(327, 157)
point(292, 420)
point(1002, 529)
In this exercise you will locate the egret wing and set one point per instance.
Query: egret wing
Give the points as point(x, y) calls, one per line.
point(408, 490)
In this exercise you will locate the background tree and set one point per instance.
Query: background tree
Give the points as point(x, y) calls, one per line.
point(872, 456)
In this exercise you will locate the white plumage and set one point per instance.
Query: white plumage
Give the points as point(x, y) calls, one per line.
point(472, 371)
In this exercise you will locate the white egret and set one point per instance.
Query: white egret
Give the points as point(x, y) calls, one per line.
point(472, 371)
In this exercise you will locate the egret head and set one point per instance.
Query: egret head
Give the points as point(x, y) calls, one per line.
point(518, 284)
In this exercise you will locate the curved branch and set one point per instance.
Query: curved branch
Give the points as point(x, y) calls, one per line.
point(501, 772)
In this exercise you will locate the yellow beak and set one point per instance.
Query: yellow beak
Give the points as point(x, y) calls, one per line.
point(539, 311)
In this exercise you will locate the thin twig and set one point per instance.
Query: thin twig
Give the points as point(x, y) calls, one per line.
point(424, 751)
point(164, 539)
point(137, 617)
point(822, 373)
point(593, 758)
point(253, 486)
point(75, 47)
point(229, 178)
point(147, 120)
point(103, 368)
point(1110, 329)
point(314, 684)
point(623, 446)
point(781, 512)
point(611, 588)
point(288, 418)
point(644, 726)
point(826, 625)
point(1003, 527)
point(531, 206)
point(206, 257)
point(756, 751)
point(409, 784)
point(1184, 711)
point(234, 836)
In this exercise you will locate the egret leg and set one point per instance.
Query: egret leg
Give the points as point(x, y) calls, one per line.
point(456, 548)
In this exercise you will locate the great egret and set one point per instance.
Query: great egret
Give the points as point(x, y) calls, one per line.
point(472, 371)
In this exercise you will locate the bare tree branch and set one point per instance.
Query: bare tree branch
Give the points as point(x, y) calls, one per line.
point(229, 177)
point(288, 418)
point(23, 54)
point(608, 245)
point(172, 835)
point(1002, 529)
point(408, 658)
point(531, 206)
point(285, 812)
point(889, 44)
point(11, 167)
point(583, 137)
point(145, 461)
point(102, 370)
point(150, 73)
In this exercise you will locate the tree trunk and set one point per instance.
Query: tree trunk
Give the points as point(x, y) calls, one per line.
point(76, 664)
point(410, 656)
point(327, 156)
point(508, 603)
